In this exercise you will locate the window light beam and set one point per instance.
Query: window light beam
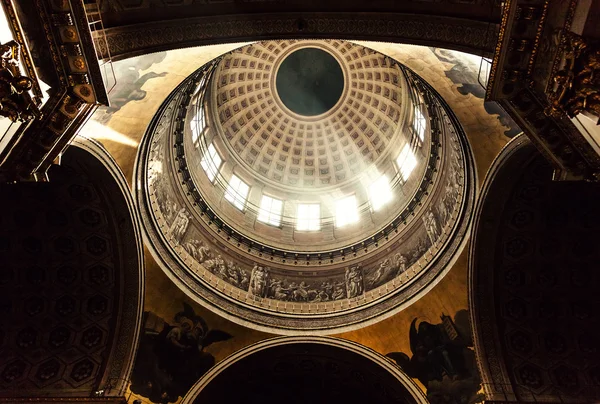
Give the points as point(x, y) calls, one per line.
point(308, 217)
point(211, 162)
point(270, 210)
point(406, 162)
point(419, 123)
point(346, 211)
point(237, 192)
point(380, 193)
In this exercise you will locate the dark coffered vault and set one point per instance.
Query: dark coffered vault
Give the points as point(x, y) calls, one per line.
point(534, 280)
point(66, 323)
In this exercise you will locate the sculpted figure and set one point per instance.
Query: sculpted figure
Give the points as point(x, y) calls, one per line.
point(180, 224)
point(354, 282)
point(338, 291)
point(301, 292)
point(400, 263)
point(576, 88)
point(15, 101)
point(278, 292)
point(203, 253)
point(431, 226)
point(258, 281)
point(381, 271)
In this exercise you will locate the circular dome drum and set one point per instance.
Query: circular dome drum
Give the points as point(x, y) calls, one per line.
point(296, 222)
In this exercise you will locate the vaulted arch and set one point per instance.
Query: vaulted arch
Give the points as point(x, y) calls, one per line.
point(534, 281)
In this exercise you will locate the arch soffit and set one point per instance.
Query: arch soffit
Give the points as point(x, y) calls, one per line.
point(411, 387)
point(494, 373)
point(129, 317)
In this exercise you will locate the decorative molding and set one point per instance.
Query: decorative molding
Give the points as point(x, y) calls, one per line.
point(453, 33)
point(16, 103)
point(407, 383)
point(494, 375)
point(67, 34)
point(576, 88)
point(515, 84)
point(124, 347)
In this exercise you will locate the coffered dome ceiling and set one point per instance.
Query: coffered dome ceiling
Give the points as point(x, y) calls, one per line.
point(305, 122)
point(308, 113)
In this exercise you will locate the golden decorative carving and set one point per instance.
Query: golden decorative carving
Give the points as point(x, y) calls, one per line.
point(15, 101)
point(528, 13)
point(502, 37)
point(576, 87)
point(79, 63)
point(538, 36)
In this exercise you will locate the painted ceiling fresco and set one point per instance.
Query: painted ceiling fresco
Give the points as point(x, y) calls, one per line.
point(174, 325)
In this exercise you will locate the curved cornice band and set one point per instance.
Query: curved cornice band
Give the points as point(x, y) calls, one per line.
point(465, 35)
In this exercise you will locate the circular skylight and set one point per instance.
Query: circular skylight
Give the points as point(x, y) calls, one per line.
point(310, 81)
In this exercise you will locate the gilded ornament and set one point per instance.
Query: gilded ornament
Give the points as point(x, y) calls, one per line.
point(576, 87)
point(15, 101)
point(79, 63)
point(85, 91)
point(70, 33)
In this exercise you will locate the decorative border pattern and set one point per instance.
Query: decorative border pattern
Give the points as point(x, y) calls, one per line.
point(453, 33)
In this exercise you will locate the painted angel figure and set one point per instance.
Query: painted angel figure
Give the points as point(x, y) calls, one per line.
point(442, 361)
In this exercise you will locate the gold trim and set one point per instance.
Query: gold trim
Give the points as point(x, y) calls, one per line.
point(566, 27)
point(497, 50)
point(538, 36)
point(17, 31)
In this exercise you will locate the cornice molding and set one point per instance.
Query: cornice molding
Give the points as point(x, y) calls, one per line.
point(445, 32)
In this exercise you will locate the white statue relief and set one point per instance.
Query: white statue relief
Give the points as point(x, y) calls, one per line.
point(258, 281)
point(431, 226)
point(180, 225)
point(354, 282)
